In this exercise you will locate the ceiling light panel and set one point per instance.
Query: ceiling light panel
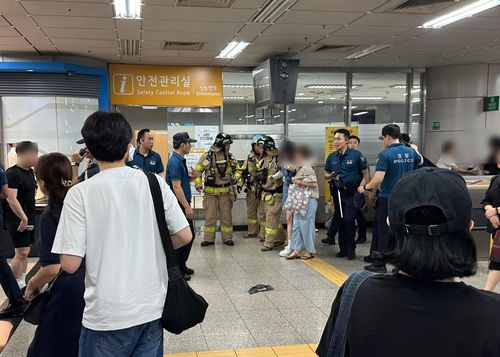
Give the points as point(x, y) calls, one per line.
point(330, 86)
point(233, 49)
point(127, 9)
point(238, 85)
point(367, 98)
point(368, 51)
point(462, 13)
point(272, 10)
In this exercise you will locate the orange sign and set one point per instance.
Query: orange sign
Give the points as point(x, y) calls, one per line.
point(165, 85)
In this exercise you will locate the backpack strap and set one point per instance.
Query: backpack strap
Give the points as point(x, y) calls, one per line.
point(339, 336)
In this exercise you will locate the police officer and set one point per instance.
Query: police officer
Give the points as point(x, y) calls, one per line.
point(396, 160)
point(271, 192)
point(216, 169)
point(246, 176)
point(345, 169)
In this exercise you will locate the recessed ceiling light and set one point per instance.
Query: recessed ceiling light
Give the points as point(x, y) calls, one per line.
point(304, 98)
point(462, 13)
point(367, 98)
point(233, 49)
point(320, 102)
point(368, 51)
point(403, 86)
point(359, 113)
point(300, 94)
point(331, 86)
point(127, 9)
point(238, 85)
point(333, 98)
point(234, 97)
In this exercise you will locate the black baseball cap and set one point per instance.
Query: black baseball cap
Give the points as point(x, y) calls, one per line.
point(392, 130)
point(430, 186)
point(183, 137)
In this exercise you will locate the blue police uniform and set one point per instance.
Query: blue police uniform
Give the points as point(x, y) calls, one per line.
point(149, 163)
point(177, 171)
point(395, 161)
point(348, 167)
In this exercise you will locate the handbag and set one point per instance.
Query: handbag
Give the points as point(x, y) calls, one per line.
point(297, 200)
point(183, 308)
point(495, 249)
point(36, 307)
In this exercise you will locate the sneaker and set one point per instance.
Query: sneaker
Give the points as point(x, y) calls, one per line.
point(265, 249)
point(229, 242)
point(285, 252)
point(206, 243)
point(329, 241)
point(341, 255)
point(368, 259)
point(381, 269)
point(13, 310)
point(278, 244)
point(351, 256)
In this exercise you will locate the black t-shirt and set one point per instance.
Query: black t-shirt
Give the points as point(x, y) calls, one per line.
point(48, 227)
point(395, 316)
point(25, 183)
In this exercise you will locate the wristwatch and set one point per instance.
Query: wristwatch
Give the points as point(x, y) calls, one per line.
point(74, 163)
point(366, 189)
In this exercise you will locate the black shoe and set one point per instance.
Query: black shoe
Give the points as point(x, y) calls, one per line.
point(361, 240)
point(229, 242)
point(188, 271)
point(376, 268)
point(11, 311)
point(187, 277)
point(341, 255)
point(329, 241)
point(368, 259)
point(351, 256)
point(206, 243)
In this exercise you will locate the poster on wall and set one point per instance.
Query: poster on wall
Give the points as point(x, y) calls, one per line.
point(205, 136)
point(330, 147)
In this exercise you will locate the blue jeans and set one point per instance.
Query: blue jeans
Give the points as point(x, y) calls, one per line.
point(144, 340)
point(304, 229)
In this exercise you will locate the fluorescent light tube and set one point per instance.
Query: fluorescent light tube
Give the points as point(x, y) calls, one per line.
point(368, 51)
point(272, 11)
point(330, 86)
point(367, 98)
point(127, 9)
point(462, 13)
point(360, 113)
point(304, 98)
point(238, 85)
point(233, 49)
point(234, 97)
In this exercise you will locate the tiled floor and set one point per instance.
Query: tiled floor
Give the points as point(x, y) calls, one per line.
point(277, 323)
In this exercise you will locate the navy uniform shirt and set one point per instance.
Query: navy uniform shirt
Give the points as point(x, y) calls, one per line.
point(395, 161)
point(149, 163)
point(347, 166)
point(3, 177)
point(177, 171)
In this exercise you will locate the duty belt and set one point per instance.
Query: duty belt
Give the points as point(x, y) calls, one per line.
point(219, 186)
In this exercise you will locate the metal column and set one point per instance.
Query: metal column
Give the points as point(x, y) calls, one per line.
point(423, 110)
point(348, 99)
point(409, 102)
point(285, 122)
point(221, 119)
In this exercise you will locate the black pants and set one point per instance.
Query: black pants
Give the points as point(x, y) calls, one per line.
point(9, 283)
point(382, 228)
point(361, 221)
point(183, 252)
point(347, 225)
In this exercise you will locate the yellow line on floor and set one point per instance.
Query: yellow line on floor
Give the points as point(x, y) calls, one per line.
point(277, 351)
point(333, 274)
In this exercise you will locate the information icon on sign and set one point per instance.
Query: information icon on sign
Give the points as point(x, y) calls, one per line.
point(123, 84)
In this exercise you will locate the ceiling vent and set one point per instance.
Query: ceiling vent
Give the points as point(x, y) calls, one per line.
point(335, 48)
point(419, 3)
point(182, 46)
point(205, 3)
point(130, 47)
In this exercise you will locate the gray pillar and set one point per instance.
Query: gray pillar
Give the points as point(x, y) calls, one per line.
point(285, 122)
point(409, 102)
point(348, 99)
point(221, 119)
point(423, 110)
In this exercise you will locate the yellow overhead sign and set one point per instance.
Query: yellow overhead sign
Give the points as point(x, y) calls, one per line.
point(165, 85)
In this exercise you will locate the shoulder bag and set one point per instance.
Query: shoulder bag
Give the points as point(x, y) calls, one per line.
point(36, 308)
point(183, 308)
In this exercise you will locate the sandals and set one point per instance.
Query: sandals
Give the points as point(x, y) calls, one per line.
point(295, 255)
point(306, 256)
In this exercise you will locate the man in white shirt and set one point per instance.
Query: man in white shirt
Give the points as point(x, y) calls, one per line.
point(447, 158)
point(110, 220)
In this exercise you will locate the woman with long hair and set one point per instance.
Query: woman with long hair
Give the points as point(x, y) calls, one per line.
point(59, 331)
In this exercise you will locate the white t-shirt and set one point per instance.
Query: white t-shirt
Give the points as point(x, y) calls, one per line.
point(445, 162)
point(110, 220)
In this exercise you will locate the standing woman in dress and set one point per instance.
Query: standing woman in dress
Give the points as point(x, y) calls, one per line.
point(491, 205)
point(58, 333)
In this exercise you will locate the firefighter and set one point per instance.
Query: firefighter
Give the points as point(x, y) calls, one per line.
point(246, 176)
point(216, 169)
point(271, 192)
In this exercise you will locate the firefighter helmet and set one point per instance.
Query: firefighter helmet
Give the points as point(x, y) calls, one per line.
point(222, 140)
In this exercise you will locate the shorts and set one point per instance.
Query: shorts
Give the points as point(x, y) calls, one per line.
point(21, 239)
point(494, 266)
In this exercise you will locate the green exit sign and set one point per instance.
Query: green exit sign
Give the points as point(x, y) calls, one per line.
point(491, 104)
point(436, 125)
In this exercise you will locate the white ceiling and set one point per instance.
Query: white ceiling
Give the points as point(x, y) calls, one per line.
point(87, 28)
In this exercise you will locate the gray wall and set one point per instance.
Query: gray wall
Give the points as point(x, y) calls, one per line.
point(455, 99)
